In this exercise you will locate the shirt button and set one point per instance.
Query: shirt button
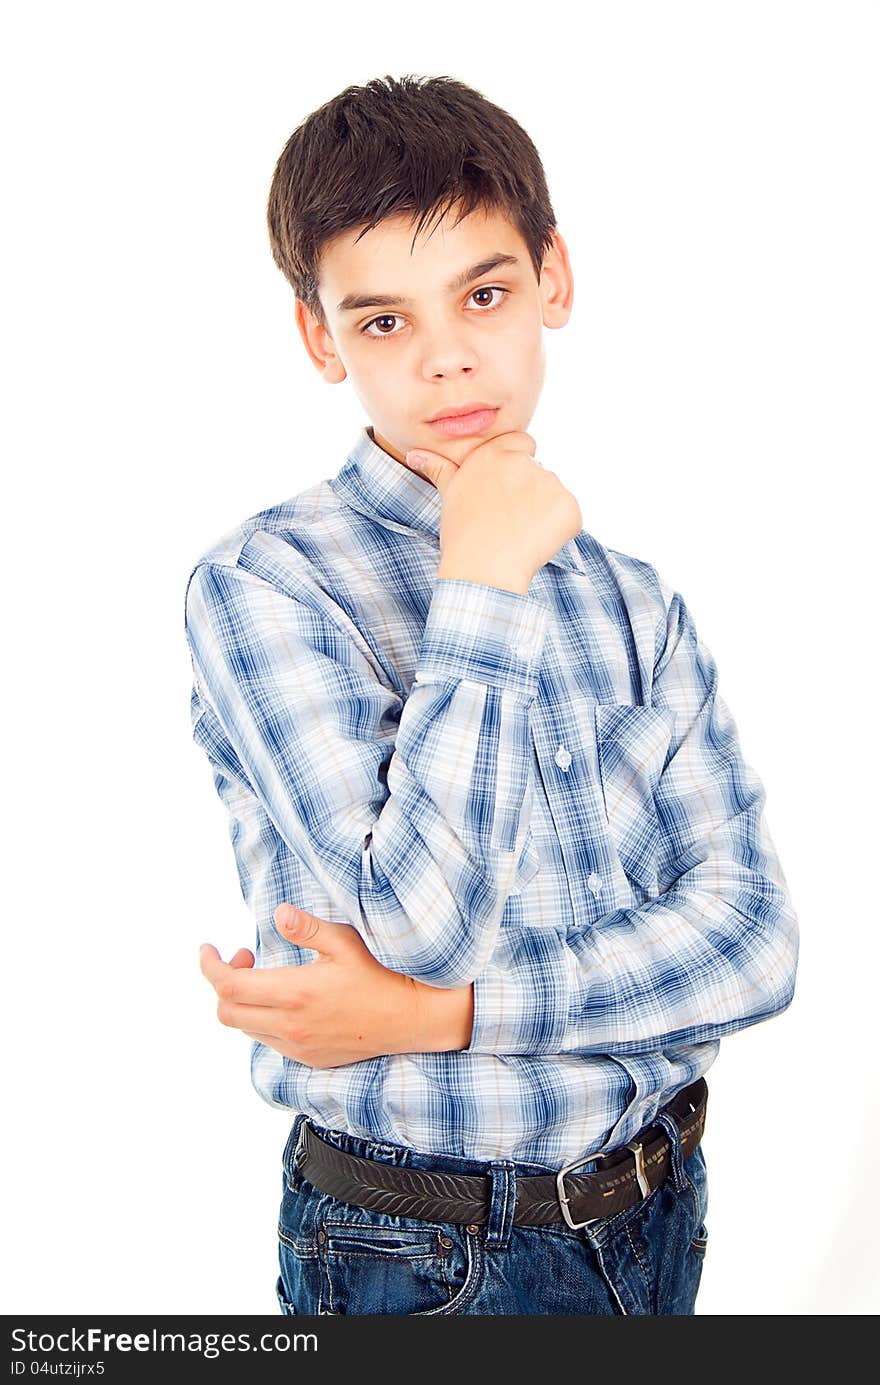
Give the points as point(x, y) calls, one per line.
point(523, 652)
point(562, 758)
point(594, 881)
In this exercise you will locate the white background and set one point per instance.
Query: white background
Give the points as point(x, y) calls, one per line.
point(712, 403)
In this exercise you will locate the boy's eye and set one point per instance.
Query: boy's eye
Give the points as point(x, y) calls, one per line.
point(379, 321)
point(486, 289)
point(385, 318)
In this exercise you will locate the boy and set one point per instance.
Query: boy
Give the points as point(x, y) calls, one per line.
point(486, 759)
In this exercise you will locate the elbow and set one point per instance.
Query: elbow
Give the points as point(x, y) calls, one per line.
point(460, 966)
point(777, 990)
point(785, 971)
point(447, 946)
point(445, 963)
point(776, 959)
point(432, 971)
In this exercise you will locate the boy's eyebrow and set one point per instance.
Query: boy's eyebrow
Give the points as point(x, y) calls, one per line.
point(352, 301)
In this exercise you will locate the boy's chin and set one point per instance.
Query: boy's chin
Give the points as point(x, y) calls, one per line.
point(456, 449)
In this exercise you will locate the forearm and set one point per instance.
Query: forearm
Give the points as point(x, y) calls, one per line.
point(687, 968)
point(444, 1018)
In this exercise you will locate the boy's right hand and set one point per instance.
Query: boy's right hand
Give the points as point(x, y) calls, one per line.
point(504, 516)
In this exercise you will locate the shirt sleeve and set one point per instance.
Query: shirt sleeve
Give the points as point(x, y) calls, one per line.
point(413, 814)
point(716, 950)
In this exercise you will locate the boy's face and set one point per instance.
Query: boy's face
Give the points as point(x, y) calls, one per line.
point(441, 329)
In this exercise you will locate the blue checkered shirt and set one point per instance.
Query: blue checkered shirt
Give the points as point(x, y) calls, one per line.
point(542, 794)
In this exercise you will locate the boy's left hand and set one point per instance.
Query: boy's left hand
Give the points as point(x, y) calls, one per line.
point(342, 1008)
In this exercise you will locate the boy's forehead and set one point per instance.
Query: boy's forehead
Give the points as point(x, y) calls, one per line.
point(386, 262)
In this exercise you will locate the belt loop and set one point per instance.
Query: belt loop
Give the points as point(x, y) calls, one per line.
point(502, 1203)
point(291, 1149)
point(679, 1177)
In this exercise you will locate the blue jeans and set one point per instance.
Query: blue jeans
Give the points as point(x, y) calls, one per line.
point(336, 1257)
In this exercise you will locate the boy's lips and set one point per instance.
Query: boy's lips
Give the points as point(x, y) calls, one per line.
point(464, 425)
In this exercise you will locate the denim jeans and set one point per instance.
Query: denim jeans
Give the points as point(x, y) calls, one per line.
point(336, 1257)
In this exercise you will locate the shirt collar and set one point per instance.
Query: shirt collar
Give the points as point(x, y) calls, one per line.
point(378, 486)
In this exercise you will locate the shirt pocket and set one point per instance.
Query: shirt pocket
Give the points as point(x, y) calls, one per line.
point(631, 747)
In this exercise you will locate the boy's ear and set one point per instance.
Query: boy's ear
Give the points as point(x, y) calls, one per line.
point(319, 345)
point(556, 285)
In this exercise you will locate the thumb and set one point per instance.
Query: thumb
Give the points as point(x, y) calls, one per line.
point(434, 467)
point(305, 929)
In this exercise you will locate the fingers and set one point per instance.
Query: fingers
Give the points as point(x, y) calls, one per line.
point(517, 442)
point(243, 958)
point(209, 960)
point(507, 442)
point(241, 982)
point(250, 1019)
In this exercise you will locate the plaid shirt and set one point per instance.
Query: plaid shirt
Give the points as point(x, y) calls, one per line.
point(543, 794)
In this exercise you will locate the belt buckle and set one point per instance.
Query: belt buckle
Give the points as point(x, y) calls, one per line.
point(641, 1179)
point(560, 1191)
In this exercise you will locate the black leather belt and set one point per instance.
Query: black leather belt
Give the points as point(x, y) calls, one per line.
point(623, 1177)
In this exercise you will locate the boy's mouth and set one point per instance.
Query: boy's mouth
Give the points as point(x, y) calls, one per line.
point(464, 425)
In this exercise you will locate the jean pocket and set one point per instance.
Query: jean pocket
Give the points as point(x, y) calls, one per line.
point(396, 1265)
point(631, 746)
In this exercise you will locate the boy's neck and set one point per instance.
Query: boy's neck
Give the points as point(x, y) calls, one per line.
point(392, 451)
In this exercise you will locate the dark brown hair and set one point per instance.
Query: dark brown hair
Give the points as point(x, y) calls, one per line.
point(415, 146)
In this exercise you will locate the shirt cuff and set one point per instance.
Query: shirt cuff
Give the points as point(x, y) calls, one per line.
point(521, 1002)
point(485, 634)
